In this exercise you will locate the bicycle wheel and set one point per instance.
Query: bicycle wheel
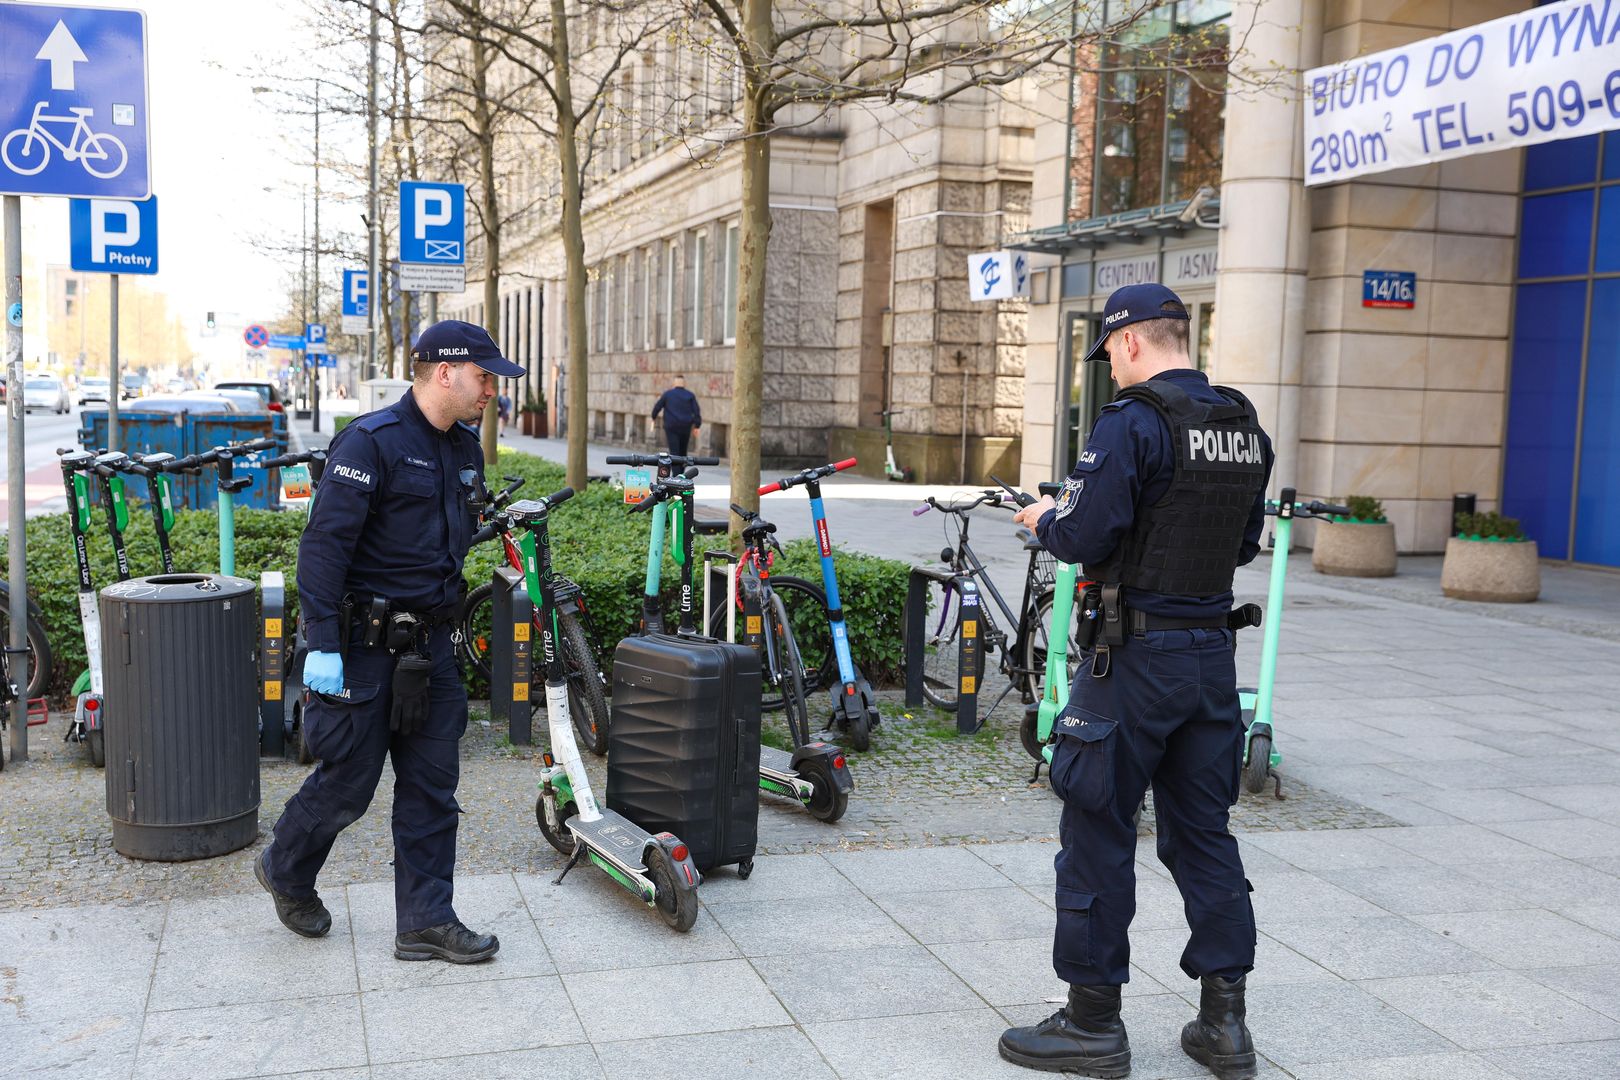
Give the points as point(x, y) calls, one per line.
point(39, 647)
point(790, 678)
point(806, 606)
point(25, 153)
point(478, 628)
point(1034, 658)
point(587, 703)
point(107, 151)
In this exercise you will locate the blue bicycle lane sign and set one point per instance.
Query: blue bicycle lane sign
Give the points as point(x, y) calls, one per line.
point(73, 102)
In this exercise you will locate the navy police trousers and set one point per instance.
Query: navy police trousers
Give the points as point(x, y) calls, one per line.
point(351, 742)
point(1166, 714)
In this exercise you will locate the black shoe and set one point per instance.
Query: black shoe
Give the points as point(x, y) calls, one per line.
point(1087, 1038)
point(305, 916)
point(452, 942)
point(1219, 1039)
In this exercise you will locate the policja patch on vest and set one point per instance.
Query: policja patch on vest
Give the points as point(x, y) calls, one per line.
point(1224, 447)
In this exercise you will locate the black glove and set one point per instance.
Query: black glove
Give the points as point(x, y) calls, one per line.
point(411, 693)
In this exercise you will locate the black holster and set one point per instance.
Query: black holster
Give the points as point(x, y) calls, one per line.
point(1090, 617)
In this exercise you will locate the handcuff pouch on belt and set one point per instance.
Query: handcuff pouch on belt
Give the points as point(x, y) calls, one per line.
point(1112, 631)
point(1090, 617)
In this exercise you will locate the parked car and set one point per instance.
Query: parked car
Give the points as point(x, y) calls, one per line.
point(94, 388)
point(269, 393)
point(134, 385)
point(177, 385)
point(242, 401)
point(45, 392)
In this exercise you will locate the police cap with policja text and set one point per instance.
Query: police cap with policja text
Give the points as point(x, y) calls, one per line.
point(1135, 303)
point(455, 342)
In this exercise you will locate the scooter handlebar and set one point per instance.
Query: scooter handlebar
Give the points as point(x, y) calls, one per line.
point(1322, 509)
point(484, 534)
point(557, 498)
point(807, 475)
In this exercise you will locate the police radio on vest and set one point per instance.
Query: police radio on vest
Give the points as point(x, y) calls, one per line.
point(1224, 445)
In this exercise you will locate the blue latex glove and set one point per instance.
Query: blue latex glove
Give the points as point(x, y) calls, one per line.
point(323, 672)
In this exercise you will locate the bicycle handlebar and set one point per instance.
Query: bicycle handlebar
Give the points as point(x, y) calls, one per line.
point(504, 496)
point(660, 459)
point(808, 475)
point(283, 460)
point(993, 498)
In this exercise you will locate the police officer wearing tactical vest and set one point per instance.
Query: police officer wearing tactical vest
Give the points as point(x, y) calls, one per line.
point(379, 580)
point(1166, 501)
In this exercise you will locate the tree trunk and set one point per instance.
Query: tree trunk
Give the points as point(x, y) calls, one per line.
point(484, 122)
point(754, 233)
point(573, 236)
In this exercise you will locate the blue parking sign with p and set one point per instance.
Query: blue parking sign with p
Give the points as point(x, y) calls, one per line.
point(73, 102)
point(314, 336)
point(356, 293)
point(432, 223)
point(113, 236)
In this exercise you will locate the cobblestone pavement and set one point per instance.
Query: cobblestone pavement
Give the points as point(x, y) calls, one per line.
point(919, 785)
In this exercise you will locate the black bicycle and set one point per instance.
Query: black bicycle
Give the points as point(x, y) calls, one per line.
point(1022, 650)
point(39, 646)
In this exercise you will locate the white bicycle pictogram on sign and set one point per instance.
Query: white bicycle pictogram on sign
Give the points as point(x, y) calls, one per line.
point(27, 151)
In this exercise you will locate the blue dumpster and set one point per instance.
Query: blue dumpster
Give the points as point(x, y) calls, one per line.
point(186, 426)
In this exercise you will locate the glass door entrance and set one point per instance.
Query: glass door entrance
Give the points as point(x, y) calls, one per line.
point(1089, 387)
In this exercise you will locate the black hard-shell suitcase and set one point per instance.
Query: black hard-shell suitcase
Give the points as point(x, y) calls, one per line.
point(683, 743)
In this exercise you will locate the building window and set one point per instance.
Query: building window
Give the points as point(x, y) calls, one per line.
point(729, 316)
point(627, 302)
point(1149, 108)
point(699, 290)
point(672, 255)
point(649, 299)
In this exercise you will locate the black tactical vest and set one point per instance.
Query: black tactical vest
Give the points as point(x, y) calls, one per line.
point(1187, 544)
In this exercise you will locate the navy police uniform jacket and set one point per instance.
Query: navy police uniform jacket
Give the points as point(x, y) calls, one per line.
point(1130, 462)
point(391, 518)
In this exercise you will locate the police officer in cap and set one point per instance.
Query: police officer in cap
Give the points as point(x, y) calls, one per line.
point(1166, 501)
point(379, 580)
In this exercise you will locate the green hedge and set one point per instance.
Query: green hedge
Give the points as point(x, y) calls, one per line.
point(595, 541)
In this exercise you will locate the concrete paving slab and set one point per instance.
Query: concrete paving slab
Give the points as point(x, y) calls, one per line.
point(457, 1019)
point(1600, 801)
point(969, 915)
point(1554, 883)
point(488, 903)
point(1529, 938)
point(779, 877)
point(1459, 774)
point(1481, 1011)
point(1374, 948)
point(1604, 917)
point(1316, 851)
point(1485, 806)
point(1336, 1021)
point(916, 870)
point(1421, 1067)
point(233, 950)
point(1597, 987)
point(919, 1047)
point(808, 926)
point(680, 999)
point(1421, 890)
point(251, 1040)
point(576, 1062)
point(1158, 953)
point(1582, 1061)
point(721, 1055)
point(1017, 972)
point(1459, 845)
point(1293, 894)
point(603, 942)
point(892, 981)
point(1028, 863)
point(86, 1044)
point(61, 961)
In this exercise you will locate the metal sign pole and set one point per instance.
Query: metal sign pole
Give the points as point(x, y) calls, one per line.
point(373, 282)
point(16, 549)
point(115, 384)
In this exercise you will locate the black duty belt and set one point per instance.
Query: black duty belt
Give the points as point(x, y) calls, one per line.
point(1139, 622)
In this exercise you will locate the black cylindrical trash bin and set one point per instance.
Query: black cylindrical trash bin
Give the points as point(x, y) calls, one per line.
point(180, 673)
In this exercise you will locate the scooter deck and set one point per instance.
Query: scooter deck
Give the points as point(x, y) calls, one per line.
point(772, 760)
point(615, 837)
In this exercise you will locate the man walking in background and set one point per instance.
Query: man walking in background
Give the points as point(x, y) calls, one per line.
point(681, 415)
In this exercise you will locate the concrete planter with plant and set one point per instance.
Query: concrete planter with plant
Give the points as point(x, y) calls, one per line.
point(1491, 560)
point(1360, 545)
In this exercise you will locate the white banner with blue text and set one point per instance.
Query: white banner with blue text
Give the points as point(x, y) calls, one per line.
point(1549, 73)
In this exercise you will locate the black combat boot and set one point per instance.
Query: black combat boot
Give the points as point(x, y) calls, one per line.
point(452, 941)
point(1087, 1038)
point(1219, 1039)
point(305, 916)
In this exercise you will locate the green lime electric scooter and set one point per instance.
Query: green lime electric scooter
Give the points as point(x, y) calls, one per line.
point(1260, 755)
point(656, 868)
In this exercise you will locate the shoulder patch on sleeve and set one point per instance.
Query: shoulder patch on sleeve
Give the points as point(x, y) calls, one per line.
point(1070, 495)
point(358, 476)
point(1091, 459)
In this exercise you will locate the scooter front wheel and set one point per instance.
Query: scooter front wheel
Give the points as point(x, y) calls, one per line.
point(676, 902)
point(1258, 767)
point(559, 838)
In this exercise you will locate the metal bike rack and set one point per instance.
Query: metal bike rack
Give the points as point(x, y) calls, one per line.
point(272, 662)
point(511, 655)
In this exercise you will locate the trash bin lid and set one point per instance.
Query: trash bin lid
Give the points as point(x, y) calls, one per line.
point(178, 589)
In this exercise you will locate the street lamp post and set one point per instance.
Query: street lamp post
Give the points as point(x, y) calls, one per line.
point(315, 371)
